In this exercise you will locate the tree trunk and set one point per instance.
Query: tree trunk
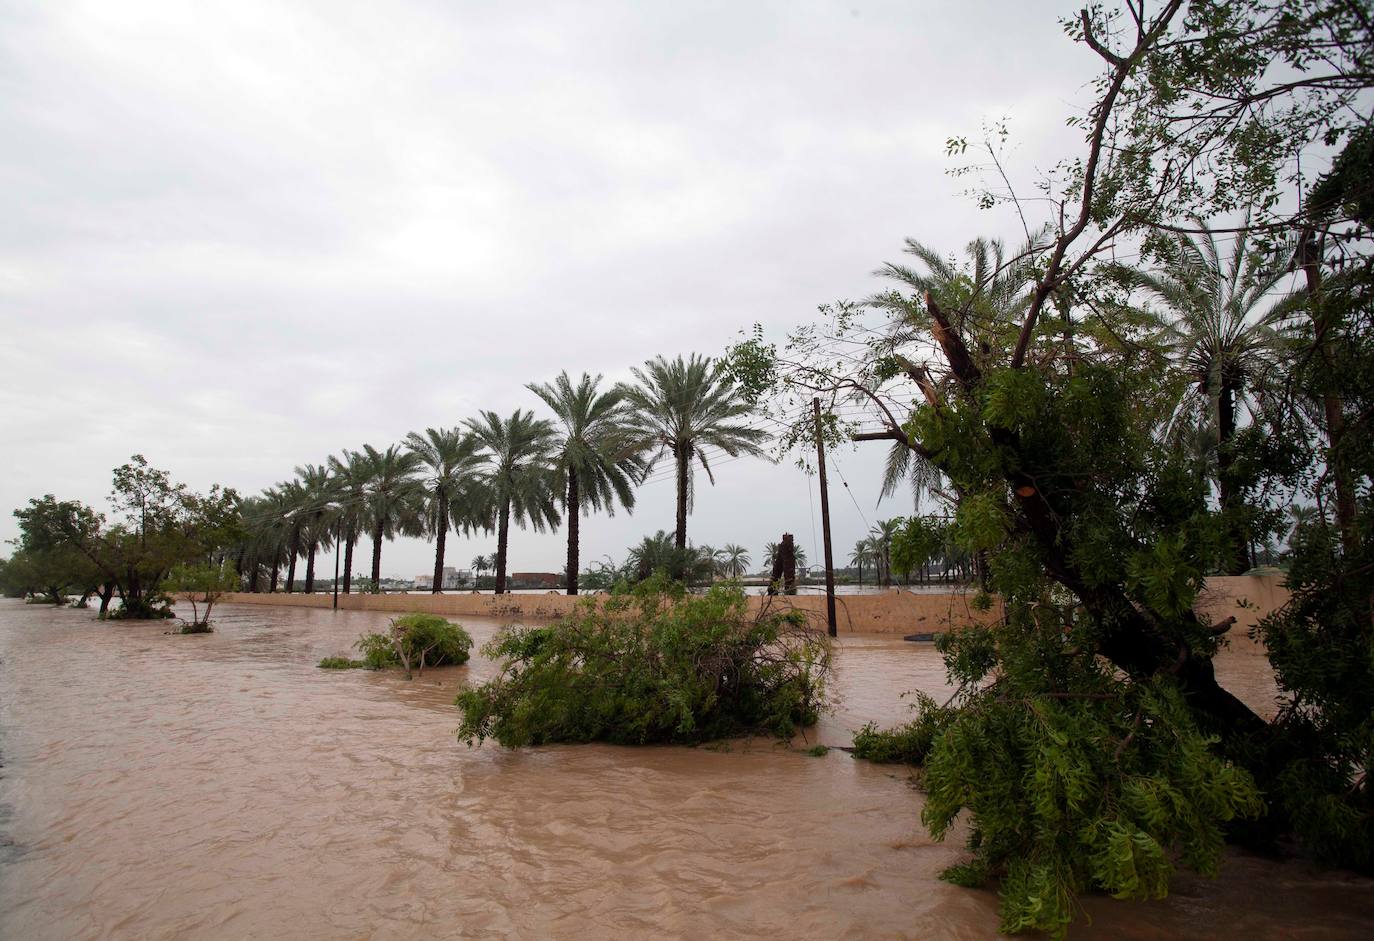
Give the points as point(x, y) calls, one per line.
point(276, 568)
point(106, 594)
point(1239, 561)
point(502, 537)
point(291, 564)
point(441, 531)
point(377, 534)
point(680, 534)
point(1310, 250)
point(574, 521)
point(348, 562)
point(310, 569)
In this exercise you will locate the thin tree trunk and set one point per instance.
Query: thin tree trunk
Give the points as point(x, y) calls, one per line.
point(276, 568)
point(1239, 561)
point(1310, 250)
point(348, 562)
point(291, 565)
point(680, 534)
point(310, 569)
point(502, 536)
point(377, 533)
point(442, 535)
point(574, 521)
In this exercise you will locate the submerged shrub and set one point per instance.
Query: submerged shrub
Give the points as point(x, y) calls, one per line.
point(340, 663)
point(905, 744)
point(415, 641)
point(654, 665)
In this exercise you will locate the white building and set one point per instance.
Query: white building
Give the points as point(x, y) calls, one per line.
point(452, 579)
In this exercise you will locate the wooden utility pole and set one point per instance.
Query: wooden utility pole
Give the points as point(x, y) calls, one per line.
point(825, 523)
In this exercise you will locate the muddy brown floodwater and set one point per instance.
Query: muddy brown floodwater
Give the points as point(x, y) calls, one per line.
point(221, 786)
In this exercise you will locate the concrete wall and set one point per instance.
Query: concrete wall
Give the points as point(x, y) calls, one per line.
point(1248, 597)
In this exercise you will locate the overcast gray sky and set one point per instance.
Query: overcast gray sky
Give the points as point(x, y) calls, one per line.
point(241, 236)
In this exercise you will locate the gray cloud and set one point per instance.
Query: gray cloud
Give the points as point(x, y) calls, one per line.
point(242, 236)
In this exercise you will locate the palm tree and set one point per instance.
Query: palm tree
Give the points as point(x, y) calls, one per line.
point(735, 560)
point(519, 479)
point(451, 459)
point(352, 474)
point(986, 289)
point(880, 542)
point(861, 556)
point(1225, 337)
point(392, 497)
point(683, 407)
point(596, 461)
point(480, 564)
point(292, 498)
point(317, 492)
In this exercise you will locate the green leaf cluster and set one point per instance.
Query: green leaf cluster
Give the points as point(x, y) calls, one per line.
point(424, 639)
point(653, 664)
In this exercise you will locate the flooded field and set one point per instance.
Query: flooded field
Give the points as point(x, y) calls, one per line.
point(221, 786)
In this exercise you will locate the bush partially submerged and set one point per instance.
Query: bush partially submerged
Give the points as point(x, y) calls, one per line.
point(340, 663)
point(905, 744)
point(654, 665)
point(416, 641)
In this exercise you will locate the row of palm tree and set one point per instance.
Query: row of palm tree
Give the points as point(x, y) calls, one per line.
point(491, 473)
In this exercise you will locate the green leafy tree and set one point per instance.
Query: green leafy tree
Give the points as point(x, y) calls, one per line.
point(655, 665)
point(681, 408)
point(597, 461)
point(519, 477)
point(202, 584)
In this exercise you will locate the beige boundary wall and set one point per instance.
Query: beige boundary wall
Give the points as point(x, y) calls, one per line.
point(893, 612)
point(1247, 597)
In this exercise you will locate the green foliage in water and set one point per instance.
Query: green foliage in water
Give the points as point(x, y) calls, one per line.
point(197, 627)
point(341, 663)
point(818, 751)
point(909, 743)
point(654, 665)
point(416, 640)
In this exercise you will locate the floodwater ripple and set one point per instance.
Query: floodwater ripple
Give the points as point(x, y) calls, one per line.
point(220, 786)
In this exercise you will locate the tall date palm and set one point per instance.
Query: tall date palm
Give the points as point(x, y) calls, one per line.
point(451, 460)
point(681, 407)
point(596, 459)
point(1225, 333)
point(391, 498)
point(519, 478)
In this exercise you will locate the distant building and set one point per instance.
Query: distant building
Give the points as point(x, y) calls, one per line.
point(452, 579)
point(535, 579)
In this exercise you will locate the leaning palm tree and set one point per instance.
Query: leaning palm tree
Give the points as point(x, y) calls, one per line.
point(451, 460)
point(597, 462)
point(682, 407)
point(1225, 335)
point(735, 561)
point(519, 479)
point(391, 495)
